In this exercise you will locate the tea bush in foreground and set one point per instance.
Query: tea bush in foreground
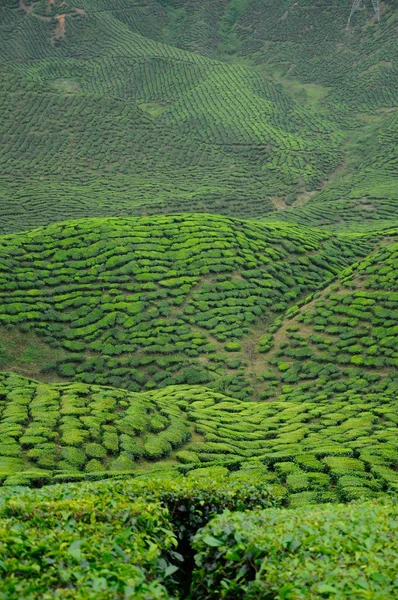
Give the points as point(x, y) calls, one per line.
point(111, 540)
point(102, 548)
point(340, 552)
point(133, 539)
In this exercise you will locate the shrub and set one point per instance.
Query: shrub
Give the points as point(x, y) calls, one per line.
point(232, 347)
point(61, 532)
point(75, 456)
point(308, 552)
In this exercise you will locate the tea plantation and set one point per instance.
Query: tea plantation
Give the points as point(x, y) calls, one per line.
point(237, 108)
point(149, 302)
point(322, 451)
point(198, 300)
point(140, 126)
point(345, 338)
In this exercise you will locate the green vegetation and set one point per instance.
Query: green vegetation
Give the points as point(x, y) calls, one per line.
point(142, 526)
point(135, 539)
point(343, 552)
point(363, 193)
point(198, 300)
point(319, 451)
point(345, 339)
point(143, 303)
point(78, 428)
point(141, 126)
point(239, 107)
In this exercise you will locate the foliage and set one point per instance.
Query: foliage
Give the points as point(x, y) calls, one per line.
point(83, 548)
point(315, 451)
point(324, 552)
point(345, 340)
point(148, 302)
point(86, 528)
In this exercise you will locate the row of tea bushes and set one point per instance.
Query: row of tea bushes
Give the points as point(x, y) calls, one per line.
point(345, 340)
point(78, 428)
point(142, 126)
point(320, 451)
point(365, 196)
point(329, 56)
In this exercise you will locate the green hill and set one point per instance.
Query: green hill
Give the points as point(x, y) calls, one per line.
point(237, 108)
point(148, 302)
point(344, 339)
point(108, 121)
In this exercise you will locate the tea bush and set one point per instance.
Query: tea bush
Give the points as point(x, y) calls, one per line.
point(314, 552)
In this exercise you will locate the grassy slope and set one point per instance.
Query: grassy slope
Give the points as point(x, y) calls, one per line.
point(347, 73)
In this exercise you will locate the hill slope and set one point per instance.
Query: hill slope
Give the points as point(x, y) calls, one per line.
point(108, 121)
point(122, 109)
point(147, 302)
point(345, 339)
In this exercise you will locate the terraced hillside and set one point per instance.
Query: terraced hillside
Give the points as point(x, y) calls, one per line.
point(198, 300)
point(147, 302)
point(123, 109)
point(107, 120)
point(304, 41)
point(320, 451)
point(345, 339)
point(363, 193)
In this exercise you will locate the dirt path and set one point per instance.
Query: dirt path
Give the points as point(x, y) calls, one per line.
point(279, 203)
point(60, 27)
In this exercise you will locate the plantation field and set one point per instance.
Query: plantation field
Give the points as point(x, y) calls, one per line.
point(149, 302)
point(342, 340)
point(124, 109)
point(320, 451)
point(364, 193)
point(198, 300)
point(110, 121)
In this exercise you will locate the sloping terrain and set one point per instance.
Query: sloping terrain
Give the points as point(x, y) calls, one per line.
point(304, 41)
point(109, 121)
point(148, 302)
point(345, 339)
point(120, 108)
point(322, 451)
point(364, 193)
